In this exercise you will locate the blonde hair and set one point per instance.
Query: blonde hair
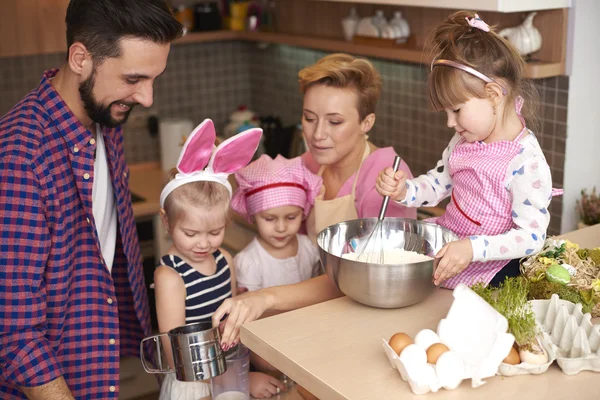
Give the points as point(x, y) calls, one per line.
point(344, 71)
point(487, 52)
point(205, 194)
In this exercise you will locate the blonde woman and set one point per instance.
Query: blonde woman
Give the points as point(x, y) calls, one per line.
point(340, 95)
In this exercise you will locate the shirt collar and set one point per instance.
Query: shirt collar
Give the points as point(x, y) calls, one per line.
point(59, 114)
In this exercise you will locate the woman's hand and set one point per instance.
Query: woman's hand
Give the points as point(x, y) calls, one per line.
point(263, 386)
point(454, 258)
point(390, 184)
point(239, 310)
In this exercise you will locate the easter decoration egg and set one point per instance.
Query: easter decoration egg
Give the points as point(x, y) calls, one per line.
point(558, 274)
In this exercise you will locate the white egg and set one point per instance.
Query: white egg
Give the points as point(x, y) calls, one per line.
point(413, 356)
point(426, 338)
point(450, 370)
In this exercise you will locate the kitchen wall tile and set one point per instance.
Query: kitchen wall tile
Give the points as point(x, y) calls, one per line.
point(201, 81)
point(404, 119)
point(212, 79)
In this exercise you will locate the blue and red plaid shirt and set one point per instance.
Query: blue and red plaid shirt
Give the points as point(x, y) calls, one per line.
point(61, 311)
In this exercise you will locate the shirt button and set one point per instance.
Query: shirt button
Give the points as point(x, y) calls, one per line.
point(109, 300)
point(125, 174)
point(112, 388)
point(86, 176)
point(88, 220)
point(75, 149)
point(92, 141)
point(112, 341)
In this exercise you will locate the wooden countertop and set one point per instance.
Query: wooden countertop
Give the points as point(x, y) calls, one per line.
point(334, 350)
point(146, 180)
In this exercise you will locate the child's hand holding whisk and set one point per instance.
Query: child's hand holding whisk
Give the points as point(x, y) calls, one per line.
point(391, 184)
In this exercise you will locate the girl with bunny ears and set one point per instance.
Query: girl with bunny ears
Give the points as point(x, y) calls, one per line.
point(493, 170)
point(195, 277)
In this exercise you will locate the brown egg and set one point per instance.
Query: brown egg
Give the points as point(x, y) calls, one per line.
point(513, 357)
point(435, 351)
point(399, 341)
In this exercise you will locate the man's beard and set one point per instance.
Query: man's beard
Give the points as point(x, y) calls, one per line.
point(97, 112)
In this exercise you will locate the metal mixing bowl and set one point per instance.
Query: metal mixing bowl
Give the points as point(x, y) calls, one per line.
point(383, 285)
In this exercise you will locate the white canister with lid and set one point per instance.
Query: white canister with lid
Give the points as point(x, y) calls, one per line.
point(173, 133)
point(349, 24)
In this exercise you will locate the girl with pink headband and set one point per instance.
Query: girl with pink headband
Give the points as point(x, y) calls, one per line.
point(493, 170)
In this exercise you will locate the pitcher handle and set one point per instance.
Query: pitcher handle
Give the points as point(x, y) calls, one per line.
point(158, 346)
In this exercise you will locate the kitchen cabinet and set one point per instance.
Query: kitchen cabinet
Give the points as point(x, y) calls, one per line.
point(477, 5)
point(32, 27)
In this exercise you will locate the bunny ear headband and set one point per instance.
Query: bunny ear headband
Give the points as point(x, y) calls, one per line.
point(201, 161)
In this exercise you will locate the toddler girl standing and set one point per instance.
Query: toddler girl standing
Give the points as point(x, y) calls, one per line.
point(195, 277)
point(493, 169)
point(277, 194)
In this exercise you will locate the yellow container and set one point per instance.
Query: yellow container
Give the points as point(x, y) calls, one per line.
point(239, 12)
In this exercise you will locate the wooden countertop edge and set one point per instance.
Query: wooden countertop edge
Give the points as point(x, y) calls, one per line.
point(300, 375)
point(144, 166)
point(151, 205)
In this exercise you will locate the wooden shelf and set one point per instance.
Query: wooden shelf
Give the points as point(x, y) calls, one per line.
point(535, 70)
point(539, 70)
point(206, 37)
point(332, 45)
point(479, 5)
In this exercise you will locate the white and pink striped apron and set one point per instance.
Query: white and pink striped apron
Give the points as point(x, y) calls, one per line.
point(480, 203)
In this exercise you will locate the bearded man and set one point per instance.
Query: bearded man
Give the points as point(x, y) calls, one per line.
point(72, 292)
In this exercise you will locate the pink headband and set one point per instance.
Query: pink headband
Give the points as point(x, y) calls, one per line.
point(201, 161)
point(269, 183)
point(466, 68)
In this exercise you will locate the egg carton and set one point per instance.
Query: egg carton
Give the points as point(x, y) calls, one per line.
point(475, 334)
point(532, 369)
point(577, 340)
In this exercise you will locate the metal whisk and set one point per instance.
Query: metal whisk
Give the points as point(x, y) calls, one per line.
point(372, 251)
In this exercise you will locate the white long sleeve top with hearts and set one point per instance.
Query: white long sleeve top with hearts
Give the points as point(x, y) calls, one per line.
point(528, 179)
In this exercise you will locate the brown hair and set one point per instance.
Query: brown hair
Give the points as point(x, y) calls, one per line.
point(344, 71)
point(487, 52)
point(206, 194)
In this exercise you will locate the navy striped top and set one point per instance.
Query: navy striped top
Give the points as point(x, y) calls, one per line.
point(204, 294)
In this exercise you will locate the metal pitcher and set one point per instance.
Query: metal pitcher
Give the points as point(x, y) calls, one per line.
point(197, 353)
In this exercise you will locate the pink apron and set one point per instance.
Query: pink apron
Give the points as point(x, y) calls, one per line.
point(480, 204)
